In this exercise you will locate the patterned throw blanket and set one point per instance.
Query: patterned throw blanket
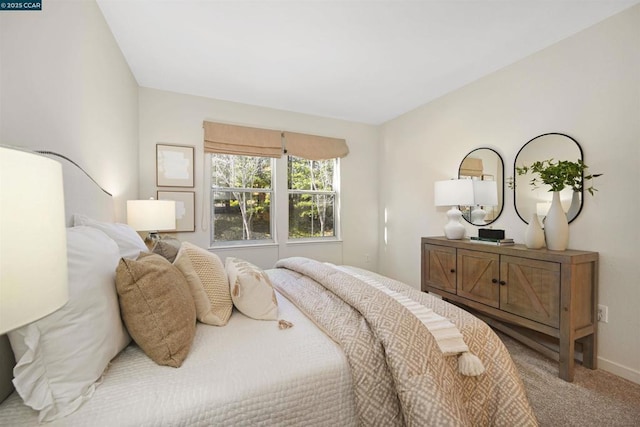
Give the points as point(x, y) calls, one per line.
point(400, 375)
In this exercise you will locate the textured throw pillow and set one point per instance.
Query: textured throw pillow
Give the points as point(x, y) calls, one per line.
point(168, 247)
point(61, 356)
point(251, 290)
point(208, 283)
point(128, 240)
point(157, 307)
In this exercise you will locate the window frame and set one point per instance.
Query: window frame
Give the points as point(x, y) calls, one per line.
point(279, 204)
point(272, 209)
point(336, 204)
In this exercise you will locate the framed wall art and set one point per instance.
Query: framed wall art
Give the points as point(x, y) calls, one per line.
point(174, 165)
point(185, 208)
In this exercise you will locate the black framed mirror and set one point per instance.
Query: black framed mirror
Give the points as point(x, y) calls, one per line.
point(529, 200)
point(485, 167)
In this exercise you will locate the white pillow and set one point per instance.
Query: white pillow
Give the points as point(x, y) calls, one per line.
point(128, 240)
point(251, 290)
point(61, 356)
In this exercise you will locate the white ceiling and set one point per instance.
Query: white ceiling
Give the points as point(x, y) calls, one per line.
point(364, 61)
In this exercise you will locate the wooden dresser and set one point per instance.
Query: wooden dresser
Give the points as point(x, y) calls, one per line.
point(545, 299)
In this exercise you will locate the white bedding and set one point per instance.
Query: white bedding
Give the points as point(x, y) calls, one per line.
point(246, 373)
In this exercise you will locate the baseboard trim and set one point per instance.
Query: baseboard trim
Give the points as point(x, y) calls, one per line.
point(619, 370)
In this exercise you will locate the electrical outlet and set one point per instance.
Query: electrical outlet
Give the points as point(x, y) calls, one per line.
point(603, 313)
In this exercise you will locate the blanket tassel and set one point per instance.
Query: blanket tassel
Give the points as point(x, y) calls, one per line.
point(469, 364)
point(284, 324)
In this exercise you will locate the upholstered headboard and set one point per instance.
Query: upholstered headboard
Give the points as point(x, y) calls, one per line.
point(82, 195)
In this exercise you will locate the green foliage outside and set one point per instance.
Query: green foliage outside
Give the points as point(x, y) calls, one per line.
point(242, 198)
point(311, 208)
point(239, 213)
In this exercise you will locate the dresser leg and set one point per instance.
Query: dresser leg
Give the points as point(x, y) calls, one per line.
point(567, 361)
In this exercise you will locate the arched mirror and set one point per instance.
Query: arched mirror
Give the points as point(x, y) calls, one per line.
point(485, 167)
point(529, 200)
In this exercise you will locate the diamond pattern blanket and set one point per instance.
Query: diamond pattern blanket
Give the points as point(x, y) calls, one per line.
point(400, 375)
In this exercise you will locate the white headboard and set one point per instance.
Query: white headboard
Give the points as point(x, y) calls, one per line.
point(82, 195)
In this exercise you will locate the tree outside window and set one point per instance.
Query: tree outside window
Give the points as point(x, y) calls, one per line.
point(241, 196)
point(312, 198)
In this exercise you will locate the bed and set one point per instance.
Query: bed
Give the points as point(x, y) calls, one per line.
point(345, 347)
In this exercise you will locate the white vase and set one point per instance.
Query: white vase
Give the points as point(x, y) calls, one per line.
point(556, 226)
point(534, 236)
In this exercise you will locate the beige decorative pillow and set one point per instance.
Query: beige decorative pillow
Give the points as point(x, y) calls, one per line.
point(157, 307)
point(168, 247)
point(251, 290)
point(208, 283)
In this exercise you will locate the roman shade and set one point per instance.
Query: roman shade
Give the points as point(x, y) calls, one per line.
point(241, 140)
point(222, 138)
point(313, 147)
point(471, 167)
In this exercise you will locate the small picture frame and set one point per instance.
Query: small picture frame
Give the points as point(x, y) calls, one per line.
point(185, 208)
point(174, 165)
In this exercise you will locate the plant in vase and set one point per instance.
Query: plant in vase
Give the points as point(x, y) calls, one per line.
point(558, 175)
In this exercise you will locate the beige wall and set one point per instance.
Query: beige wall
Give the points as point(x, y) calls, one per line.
point(167, 117)
point(65, 87)
point(587, 86)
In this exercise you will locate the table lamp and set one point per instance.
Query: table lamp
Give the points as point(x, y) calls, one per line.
point(152, 216)
point(485, 193)
point(33, 239)
point(454, 192)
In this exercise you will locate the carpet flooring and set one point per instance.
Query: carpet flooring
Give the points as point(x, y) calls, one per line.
point(595, 397)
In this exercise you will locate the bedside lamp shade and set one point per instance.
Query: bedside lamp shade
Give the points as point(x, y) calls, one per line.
point(33, 240)
point(452, 193)
point(151, 215)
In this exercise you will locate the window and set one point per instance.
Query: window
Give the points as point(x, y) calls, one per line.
point(312, 198)
point(243, 198)
point(251, 182)
point(241, 194)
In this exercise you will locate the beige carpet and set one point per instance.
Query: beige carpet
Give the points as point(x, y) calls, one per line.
point(595, 398)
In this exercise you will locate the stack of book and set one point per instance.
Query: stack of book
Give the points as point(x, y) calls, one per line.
point(490, 241)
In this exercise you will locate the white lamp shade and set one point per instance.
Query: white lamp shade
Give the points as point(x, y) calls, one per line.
point(33, 240)
point(485, 193)
point(453, 192)
point(151, 215)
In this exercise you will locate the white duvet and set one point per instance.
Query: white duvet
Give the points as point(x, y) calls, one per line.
point(247, 373)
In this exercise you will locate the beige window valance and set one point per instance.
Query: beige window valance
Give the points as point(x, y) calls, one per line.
point(247, 141)
point(314, 147)
point(241, 140)
point(471, 167)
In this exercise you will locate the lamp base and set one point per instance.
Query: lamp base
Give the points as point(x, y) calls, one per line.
point(477, 215)
point(151, 239)
point(454, 230)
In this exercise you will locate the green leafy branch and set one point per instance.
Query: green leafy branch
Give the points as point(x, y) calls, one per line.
point(559, 175)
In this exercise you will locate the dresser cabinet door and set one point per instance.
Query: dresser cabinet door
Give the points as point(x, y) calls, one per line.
point(440, 267)
point(478, 277)
point(531, 289)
